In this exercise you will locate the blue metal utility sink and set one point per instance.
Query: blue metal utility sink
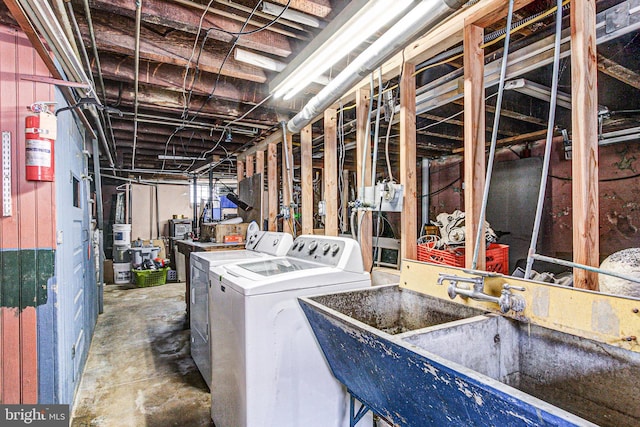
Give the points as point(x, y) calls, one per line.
point(417, 360)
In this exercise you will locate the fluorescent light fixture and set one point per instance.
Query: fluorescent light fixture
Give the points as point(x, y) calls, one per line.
point(267, 63)
point(290, 14)
point(169, 157)
point(363, 24)
point(538, 91)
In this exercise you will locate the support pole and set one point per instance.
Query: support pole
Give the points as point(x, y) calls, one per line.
point(409, 218)
point(330, 173)
point(260, 170)
point(584, 169)
point(287, 182)
point(306, 167)
point(474, 141)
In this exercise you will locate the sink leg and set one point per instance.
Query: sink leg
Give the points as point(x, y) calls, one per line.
point(354, 416)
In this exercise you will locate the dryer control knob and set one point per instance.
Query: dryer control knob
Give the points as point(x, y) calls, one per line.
point(295, 245)
point(312, 246)
point(301, 245)
point(326, 248)
point(334, 249)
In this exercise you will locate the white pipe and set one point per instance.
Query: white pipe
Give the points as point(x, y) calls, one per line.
point(136, 81)
point(426, 15)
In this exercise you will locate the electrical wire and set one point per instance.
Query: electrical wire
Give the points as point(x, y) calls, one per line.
point(618, 178)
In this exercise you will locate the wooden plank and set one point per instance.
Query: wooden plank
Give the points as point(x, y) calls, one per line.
point(584, 123)
point(249, 162)
point(306, 167)
point(240, 171)
point(363, 146)
point(531, 136)
point(409, 217)
point(330, 172)
point(287, 178)
point(474, 141)
point(272, 160)
point(260, 162)
point(618, 72)
point(274, 138)
point(319, 8)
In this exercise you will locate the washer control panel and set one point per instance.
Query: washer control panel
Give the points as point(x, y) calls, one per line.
point(318, 249)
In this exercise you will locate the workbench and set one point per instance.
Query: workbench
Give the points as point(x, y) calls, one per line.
point(185, 247)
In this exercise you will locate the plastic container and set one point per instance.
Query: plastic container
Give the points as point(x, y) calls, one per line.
point(497, 256)
point(121, 254)
point(121, 273)
point(138, 255)
point(172, 276)
point(145, 278)
point(121, 234)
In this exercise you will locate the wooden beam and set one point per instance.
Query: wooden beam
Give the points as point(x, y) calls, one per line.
point(320, 8)
point(184, 17)
point(260, 170)
point(249, 162)
point(330, 174)
point(584, 123)
point(474, 141)
point(408, 245)
point(306, 175)
point(272, 185)
point(274, 138)
point(115, 36)
point(171, 77)
point(618, 72)
point(240, 171)
point(287, 182)
point(363, 147)
point(531, 136)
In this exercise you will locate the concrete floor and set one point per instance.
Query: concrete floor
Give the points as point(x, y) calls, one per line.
point(139, 371)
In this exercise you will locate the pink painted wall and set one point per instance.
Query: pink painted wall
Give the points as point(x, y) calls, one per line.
point(32, 225)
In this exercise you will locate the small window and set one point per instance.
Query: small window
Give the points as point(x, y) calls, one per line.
point(76, 192)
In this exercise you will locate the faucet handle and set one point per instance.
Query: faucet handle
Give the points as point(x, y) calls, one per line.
point(517, 288)
point(508, 301)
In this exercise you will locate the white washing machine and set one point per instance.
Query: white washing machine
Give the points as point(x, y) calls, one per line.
point(260, 244)
point(267, 368)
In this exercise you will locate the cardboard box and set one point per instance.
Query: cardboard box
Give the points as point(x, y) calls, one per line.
point(108, 271)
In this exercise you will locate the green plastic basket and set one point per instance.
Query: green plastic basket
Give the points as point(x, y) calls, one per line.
point(145, 278)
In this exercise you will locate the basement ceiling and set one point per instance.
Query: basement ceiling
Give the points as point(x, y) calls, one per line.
point(190, 84)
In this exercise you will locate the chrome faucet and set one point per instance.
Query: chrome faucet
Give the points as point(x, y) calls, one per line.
point(507, 300)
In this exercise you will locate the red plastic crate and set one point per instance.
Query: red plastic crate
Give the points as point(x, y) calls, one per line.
point(497, 256)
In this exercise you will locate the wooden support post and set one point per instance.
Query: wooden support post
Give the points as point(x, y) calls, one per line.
point(287, 181)
point(272, 160)
point(306, 167)
point(249, 165)
point(260, 162)
point(584, 123)
point(330, 173)
point(408, 242)
point(363, 146)
point(474, 140)
point(344, 212)
point(240, 170)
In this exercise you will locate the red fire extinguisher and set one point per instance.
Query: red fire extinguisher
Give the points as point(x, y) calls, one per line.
point(39, 145)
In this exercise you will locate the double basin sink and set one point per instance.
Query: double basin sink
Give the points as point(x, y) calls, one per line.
point(418, 360)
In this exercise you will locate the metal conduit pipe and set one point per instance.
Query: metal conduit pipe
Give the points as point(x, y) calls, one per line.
point(426, 15)
point(137, 81)
point(43, 19)
point(94, 49)
point(99, 210)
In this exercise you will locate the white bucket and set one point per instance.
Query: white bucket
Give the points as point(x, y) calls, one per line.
point(121, 273)
point(121, 234)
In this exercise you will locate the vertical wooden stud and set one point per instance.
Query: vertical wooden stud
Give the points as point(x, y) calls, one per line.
point(344, 213)
point(474, 140)
point(272, 160)
point(249, 165)
point(306, 166)
point(240, 170)
point(584, 167)
point(330, 172)
point(363, 146)
point(408, 243)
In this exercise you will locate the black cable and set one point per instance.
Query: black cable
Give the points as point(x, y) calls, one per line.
point(441, 190)
point(257, 30)
point(620, 178)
